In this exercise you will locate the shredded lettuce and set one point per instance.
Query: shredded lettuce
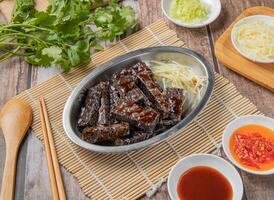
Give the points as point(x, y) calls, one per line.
point(189, 11)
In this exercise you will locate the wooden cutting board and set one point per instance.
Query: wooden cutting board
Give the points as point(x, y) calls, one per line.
point(7, 5)
point(260, 73)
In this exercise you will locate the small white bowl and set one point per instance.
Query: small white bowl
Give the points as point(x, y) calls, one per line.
point(208, 160)
point(215, 9)
point(265, 18)
point(239, 122)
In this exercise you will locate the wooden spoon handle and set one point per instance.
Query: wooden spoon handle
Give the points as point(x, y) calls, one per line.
point(7, 192)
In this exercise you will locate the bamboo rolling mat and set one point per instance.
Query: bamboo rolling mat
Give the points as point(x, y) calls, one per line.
point(130, 175)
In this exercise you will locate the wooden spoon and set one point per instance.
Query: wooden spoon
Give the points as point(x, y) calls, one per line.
point(15, 119)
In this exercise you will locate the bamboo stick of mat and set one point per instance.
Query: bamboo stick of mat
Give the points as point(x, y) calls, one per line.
point(57, 185)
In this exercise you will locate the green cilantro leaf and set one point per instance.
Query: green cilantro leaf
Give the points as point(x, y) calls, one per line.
point(61, 34)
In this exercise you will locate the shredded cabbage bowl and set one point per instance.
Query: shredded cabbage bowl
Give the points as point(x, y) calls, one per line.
point(189, 11)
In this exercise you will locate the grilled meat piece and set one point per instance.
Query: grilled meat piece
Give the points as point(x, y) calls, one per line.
point(102, 133)
point(129, 108)
point(137, 96)
point(175, 99)
point(89, 112)
point(137, 136)
point(151, 89)
point(143, 118)
point(124, 80)
point(104, 104)
point(96, 106)
point(115, 99)
point(160, 128)
point(141, 68)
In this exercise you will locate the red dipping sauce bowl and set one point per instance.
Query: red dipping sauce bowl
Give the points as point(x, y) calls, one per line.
point(204, 176)
point(248, 142)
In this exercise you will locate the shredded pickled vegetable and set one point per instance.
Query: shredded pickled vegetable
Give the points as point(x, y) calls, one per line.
point(256, 38)
point(173, 74)
point(189, 11)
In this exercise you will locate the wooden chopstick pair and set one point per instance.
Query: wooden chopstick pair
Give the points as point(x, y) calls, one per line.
point(56, 181)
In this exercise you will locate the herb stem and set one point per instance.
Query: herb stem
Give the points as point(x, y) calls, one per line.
point(9, 54)
point(26, 36)
point(26, 25)
point(15, 44)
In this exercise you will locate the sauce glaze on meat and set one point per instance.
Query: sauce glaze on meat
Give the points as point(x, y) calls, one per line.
point(129, 108)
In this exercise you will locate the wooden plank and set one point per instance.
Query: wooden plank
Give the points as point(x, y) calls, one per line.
point(162, 194)
point(39, 188)
point(37, 184)
point(260, 73)
point(36, 178)
point(258, 95)
point(14, 78)
point(196, 39)
point(32, 175)
point(256, 187)
point(36, 175)
point(36, 164)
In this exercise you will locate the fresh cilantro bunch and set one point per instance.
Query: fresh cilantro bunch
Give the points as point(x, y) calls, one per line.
point(61, 35)
point(113, 21)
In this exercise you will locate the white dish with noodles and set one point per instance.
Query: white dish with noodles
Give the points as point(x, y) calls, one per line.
point(253, 37)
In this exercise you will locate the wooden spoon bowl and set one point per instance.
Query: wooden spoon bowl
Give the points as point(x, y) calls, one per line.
point(15, 120)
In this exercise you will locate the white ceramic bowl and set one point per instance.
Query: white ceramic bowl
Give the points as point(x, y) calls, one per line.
point(209, 160)
point(215, 9)
point(239, 122)
point(265, 18)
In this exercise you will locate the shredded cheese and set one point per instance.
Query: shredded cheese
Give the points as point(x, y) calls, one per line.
point(256, 39)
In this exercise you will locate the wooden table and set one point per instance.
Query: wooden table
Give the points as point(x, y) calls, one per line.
point(32, 180)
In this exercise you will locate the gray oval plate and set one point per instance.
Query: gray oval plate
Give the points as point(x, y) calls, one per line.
point(104, 72)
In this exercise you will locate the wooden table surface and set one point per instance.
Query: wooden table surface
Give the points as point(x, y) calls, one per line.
point(32, 181)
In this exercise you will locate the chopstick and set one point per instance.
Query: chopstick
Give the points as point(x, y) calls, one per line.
point(56, 181)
